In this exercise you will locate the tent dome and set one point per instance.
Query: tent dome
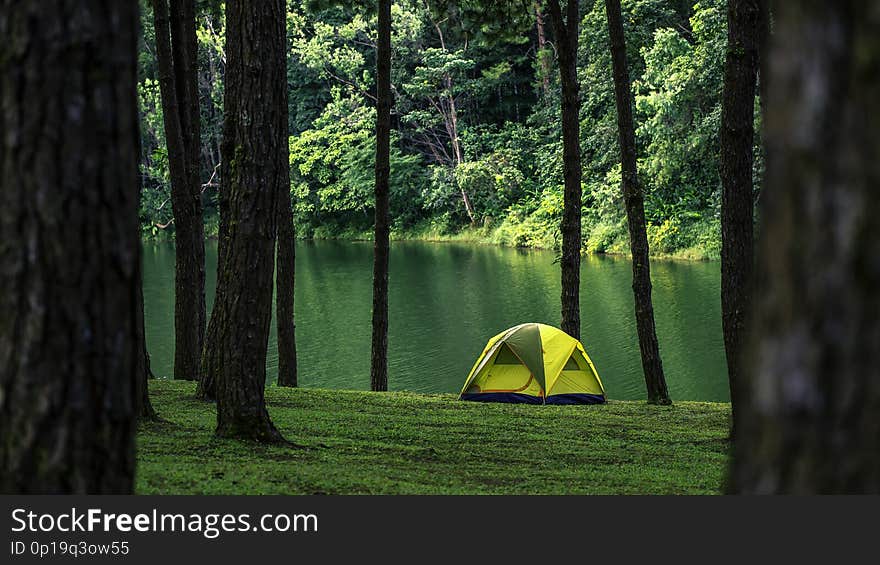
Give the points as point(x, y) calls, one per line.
point(534, 364)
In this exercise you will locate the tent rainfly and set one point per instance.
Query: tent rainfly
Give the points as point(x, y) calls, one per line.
point(534, 364)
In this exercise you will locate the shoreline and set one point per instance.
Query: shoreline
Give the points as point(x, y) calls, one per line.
point(687, 255)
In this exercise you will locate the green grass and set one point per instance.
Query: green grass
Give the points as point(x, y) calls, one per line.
point(404, 443)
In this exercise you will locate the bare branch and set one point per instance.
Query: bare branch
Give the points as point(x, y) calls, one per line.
point(349, 83)
point(211, 180)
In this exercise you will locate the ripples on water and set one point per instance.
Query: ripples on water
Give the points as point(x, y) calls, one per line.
point(446, 300)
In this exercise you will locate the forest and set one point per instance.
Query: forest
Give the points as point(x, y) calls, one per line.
point(476, 146)
point(240, 136)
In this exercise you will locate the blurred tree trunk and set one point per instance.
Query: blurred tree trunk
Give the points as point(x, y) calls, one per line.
point(809, 418)
point(255, 171)
point(69, 246)
point(381, 245)
point(652, 366)
point(737, 160)
point(566, 32)
point(543, 56)
point(763, 46)
point(176, 57)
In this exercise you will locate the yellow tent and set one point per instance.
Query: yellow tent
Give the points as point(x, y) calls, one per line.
point(534, 364)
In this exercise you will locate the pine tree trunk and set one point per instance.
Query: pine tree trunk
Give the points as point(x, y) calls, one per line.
point(207, 386)
point(255, 171)
point(381, 246)
point(285, 285)
point(145, 408)
point(809, 415)
point(285, 281)
point(737, 201)
point(176, 53)
point(566, 46)
point(190, 242)
point(652, 367)
point(69, 246)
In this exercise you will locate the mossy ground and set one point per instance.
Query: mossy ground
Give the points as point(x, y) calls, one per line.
point(404, 443)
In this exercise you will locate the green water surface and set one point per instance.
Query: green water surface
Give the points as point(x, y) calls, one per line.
point(446, 300)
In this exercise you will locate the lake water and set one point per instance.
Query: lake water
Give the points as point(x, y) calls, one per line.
point(447, 300)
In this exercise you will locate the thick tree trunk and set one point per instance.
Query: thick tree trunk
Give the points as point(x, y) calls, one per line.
point(655, 381)
point(809, 416)
point(737, 201)
point(207, 387)
point(176, 55)
point(254, 170)
point(381, 246)
point(566, 46)
point(190, 242)
point(285, 284)
point(69, 246)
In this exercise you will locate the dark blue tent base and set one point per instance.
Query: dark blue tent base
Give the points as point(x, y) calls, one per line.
point(517, 398)
point(575, 399)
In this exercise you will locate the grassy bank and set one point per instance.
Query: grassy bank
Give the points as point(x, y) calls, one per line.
point(403, 443)
point(693, 241)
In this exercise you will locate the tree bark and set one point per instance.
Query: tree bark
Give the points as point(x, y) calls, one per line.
point(543, 59)
point(207, 385)
point(191, 244)
point(69, 246)
point(381, 245)
point(808, 418)
point(285, 280)
point(566, 32)
point(176, 56)
point(285, 285)
point(737, 159)
point(655, 381)
point(145, 409)
point(254, 171)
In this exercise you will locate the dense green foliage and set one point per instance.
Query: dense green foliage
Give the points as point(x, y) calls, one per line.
point(434, 444)
point(472, 116)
